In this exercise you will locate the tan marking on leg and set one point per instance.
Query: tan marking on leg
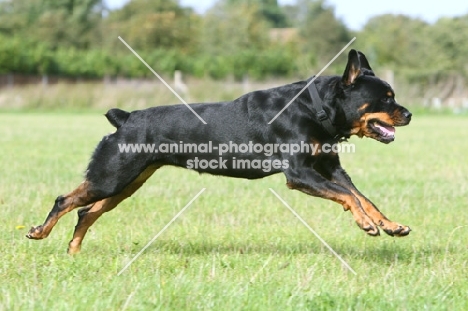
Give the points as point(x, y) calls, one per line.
point(87, 220)
point(351, 203)
point(77, 198)
point(390, 227)
point(369, 208)
point(362, 219)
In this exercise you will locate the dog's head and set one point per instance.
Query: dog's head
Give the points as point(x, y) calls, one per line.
point(370, 102)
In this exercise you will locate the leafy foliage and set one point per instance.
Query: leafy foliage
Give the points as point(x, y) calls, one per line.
point(78, 38)
point(321, 31)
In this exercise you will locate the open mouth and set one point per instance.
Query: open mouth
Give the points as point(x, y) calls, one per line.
point(386, 132)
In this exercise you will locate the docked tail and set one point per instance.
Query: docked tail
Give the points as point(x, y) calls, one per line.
point(117, 117)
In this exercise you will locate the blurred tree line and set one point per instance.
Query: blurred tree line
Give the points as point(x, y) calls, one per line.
point(258, 38)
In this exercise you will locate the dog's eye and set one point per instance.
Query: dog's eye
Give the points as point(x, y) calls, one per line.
point(387, 100)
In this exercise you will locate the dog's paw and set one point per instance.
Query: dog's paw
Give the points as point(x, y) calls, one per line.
point(395, 229)
point(73, 250)
point(74, 247)
point(36, 233)
point(372, 230)
point(367, 225)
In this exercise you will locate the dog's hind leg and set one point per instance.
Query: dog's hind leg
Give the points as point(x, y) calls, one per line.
point(108, 174)
point(88, 215)
point(93, 195)
point(81, 196)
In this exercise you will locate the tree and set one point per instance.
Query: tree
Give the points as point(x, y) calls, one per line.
point(154, 24)
point(235, 40)
point(269, 9)
point(53, 22)
point(227, 29)
point(450, 44)
point(410, 46)
point(323, 34)
point(388, 37)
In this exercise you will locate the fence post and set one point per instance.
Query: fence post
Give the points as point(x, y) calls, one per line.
point(45, 80)
point(10, 80)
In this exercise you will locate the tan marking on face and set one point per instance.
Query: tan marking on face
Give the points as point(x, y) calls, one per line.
point(363, 107)
point(390, 94)
point(356, 129)
point(399, 119)
point(360, 128)
point(381, 116)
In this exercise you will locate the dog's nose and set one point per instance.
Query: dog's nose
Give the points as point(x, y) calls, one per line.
point(407, 114)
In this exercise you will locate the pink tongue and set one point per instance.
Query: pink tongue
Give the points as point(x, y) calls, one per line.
point(386, 129)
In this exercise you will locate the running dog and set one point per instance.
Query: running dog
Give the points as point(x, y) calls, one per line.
point(332, 109)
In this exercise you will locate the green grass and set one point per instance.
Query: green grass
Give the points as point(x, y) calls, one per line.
point(237, 247)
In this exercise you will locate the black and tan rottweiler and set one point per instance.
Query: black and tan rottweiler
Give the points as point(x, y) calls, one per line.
point(333, 108)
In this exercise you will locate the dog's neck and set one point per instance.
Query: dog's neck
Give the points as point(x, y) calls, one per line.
point(339, 114)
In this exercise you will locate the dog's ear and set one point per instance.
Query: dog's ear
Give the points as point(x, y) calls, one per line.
point(365, 64)
point(357, 65)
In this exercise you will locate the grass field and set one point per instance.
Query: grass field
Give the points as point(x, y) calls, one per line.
point(237, 247)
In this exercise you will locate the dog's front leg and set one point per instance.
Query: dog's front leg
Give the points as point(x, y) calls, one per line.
point(331, 169)
point(313, 183)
